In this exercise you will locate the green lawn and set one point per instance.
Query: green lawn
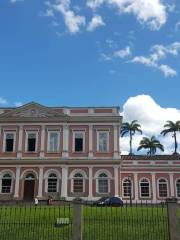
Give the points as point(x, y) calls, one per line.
point(38, 223)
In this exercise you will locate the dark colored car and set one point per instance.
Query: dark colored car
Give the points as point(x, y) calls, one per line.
point(110, 201)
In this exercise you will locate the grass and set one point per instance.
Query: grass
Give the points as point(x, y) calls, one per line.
point(38, 223)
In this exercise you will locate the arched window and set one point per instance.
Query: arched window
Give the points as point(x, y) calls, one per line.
point(144, 188)
point(6, 183)
point(29, 176)
point(103, 183)
point(178, 188)
point(163, 188)
point(78, 183)
point(52, 183)
point(127, 187)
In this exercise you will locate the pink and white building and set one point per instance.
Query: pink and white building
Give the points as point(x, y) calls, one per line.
point(69, 152)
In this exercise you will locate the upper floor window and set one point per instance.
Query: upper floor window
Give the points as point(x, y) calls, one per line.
point(79, 141)
point(102, 141)
point(9, 142)
point(31, 142)
point(144, 188)
point(53, 141)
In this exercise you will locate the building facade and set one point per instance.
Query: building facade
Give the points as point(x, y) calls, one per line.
point(67, 153)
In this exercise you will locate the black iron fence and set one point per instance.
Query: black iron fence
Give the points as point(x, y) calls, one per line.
point(74, 221)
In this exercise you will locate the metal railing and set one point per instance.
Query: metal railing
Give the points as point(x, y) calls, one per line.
point(76, 221)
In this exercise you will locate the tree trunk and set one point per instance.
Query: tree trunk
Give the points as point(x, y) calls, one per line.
point(175, 143)
point(130, 143)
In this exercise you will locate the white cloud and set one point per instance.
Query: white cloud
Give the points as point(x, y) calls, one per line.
point(94, 3)
point(3, 101)
point(123, 52)
point(177, 26)
point(73, 21)
point(152, 118)
point(18, 104)
point(158, 53)
point(15, 1)
point(95, 22)
point(151, 12)
point(168, 71)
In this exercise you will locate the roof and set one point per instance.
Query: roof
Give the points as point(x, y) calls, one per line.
point(155, 157)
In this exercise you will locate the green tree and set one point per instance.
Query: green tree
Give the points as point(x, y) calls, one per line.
point(172, 127)
point(130, 128)
point(151, 144)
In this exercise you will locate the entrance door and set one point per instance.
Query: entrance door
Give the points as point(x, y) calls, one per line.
point(29, 183)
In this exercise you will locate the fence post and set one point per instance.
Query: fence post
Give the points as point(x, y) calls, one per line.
point(77, 221)
point(173, 220)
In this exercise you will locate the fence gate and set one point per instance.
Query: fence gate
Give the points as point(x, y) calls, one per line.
point(139, 222)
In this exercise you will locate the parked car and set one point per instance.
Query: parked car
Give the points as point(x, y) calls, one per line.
point(110, 201)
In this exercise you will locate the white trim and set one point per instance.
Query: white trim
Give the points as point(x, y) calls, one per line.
point(154, 187)
point(65, 141)
point(97, 144)
point(23, 174)
point(40, 183)
point(90, 182)
point(116, 181)
point(16, 191)
point(48, 141)
point(74, 133)
point(26, 144)
point(4, 140)
point(42, 141)
point(20, 138)
point(64, 181)
point(149, 182)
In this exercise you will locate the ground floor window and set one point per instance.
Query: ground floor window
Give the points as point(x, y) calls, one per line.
point(78, 183)
point(52, 183)
point(127, 191)
point(178, 188)
point(103, 183)
point(6, 183)
point(144, 188)
point(163, 190)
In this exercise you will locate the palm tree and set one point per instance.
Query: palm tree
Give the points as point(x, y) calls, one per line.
point(172, 127)
point(152, 144)
point(130, 128)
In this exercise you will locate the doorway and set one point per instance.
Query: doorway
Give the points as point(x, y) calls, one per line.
point(29, 184)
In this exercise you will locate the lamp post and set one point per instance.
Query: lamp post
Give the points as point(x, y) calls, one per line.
point(130, 190)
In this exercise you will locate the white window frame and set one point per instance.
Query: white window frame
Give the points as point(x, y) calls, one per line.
point(74, 133)
point(132, 188)
point(83, 185)
point(74, 172)
point(176, 188)
point(46, 183)
point(97, 183)
point(97, 145)
point(4, 141)
point(167, 188)
point(149, 188)
point(58, 144)
point(1, 178)
point(26, 145)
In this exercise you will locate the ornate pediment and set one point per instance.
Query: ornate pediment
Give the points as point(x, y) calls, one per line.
point(32, 111)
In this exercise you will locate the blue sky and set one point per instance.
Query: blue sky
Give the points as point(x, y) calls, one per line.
point(91, 53)
point(44, 60)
